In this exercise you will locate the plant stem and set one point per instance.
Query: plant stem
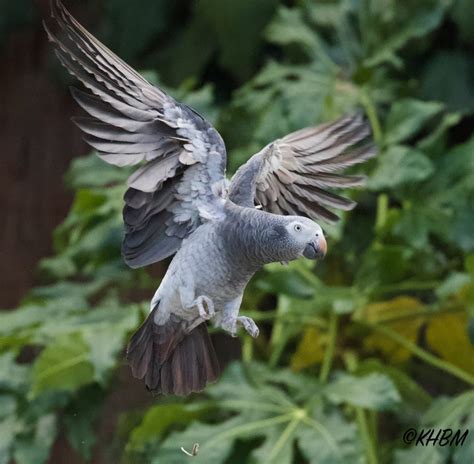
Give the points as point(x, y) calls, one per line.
point(247, 349)
point(330, 349)
point(372, 115)
point(423, 354)
point(272, 315)
point(365, 433)
point(382, 210)
point(369, 441)
point(427, 312)
point(426, 285)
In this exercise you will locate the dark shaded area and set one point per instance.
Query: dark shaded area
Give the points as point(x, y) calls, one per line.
point(38, 142)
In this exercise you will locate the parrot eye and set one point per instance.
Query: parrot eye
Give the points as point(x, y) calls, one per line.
point(297, 227)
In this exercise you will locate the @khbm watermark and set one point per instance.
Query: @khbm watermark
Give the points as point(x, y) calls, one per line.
point(433, 437)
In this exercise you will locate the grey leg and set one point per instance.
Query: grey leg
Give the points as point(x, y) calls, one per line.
point(229, 319)
point(188, 299)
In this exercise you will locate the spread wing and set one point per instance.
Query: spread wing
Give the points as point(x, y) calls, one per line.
point(292, 175)
point(182, 157)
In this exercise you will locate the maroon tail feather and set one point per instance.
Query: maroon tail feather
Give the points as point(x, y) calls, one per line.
point(171, 360)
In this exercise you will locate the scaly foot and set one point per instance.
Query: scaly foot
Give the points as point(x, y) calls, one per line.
point(205, 307)
point(249, 325)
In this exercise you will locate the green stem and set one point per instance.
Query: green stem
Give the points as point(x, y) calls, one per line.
point(365, 434)
point(330, 349)
point(309, 276)
point(284, 437)
point(372, 115)
point(272, 315)
point(247, 349)
point(423, 354)
point(361, 418)
point(412, 286)
point(427, 312)
point(382, 211)
point(248, 428)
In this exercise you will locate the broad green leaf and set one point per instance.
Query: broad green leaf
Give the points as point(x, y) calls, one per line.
point(159, 419)
point(35, 448)
point(215, 441)
point(387, 27)
point(420, 455)
point(278, 444)
point(383, 264)
point(225, 20)
point(289, 27)
point(63, 365)
point(107, 339)
point(463, 453)
point(286, 283)
point(330, 440)
point(13, 376)
point(7, 437)
point(399, 166)
point(373, 391)
point(445, 413)
point(415, 400)
point(457, 96)
point(7, 405)
point(91, 171)
point(407, 117)
point(80, 417)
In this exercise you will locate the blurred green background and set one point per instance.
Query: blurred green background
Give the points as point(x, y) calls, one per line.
point(376, 339)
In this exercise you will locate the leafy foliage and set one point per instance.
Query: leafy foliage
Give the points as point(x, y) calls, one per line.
point(378, 338)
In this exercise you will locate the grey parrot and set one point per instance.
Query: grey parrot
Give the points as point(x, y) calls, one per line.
point(179, 203)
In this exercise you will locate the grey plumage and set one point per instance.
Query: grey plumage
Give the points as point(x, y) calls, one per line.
point(179, 202)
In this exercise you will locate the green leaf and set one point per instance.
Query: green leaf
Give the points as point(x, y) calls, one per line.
point(415, 399)
point(343, 445)
point(107, 340)
point(286, 283)
point(289, 27)
point(13, 376)
point(407, 117)
point(374, 391)
point(63, 365)
point(7, 438)
point(457, 96)
point(387, 27)
point(215, 442)
point(158, 419)
point(400, 165)
point(227, 19)
point(79, 418)
point(35, 448)
point(420, 455)
point(91, 171)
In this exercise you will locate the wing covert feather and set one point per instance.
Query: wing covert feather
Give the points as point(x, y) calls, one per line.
point(132, 122)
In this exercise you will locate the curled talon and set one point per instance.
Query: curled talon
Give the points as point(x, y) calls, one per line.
point(205, 312)
point(249, 325)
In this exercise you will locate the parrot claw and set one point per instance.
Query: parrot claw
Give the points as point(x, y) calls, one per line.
point(249, 325)
point(205, 312)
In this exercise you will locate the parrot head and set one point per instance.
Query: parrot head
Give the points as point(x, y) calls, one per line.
point(305, 238)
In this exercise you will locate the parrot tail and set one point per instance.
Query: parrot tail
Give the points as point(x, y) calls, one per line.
point(171, 359)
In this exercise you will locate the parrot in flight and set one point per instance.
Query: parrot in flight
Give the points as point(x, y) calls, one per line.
point(180, 203)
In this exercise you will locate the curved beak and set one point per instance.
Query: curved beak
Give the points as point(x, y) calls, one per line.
point(316, 249)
